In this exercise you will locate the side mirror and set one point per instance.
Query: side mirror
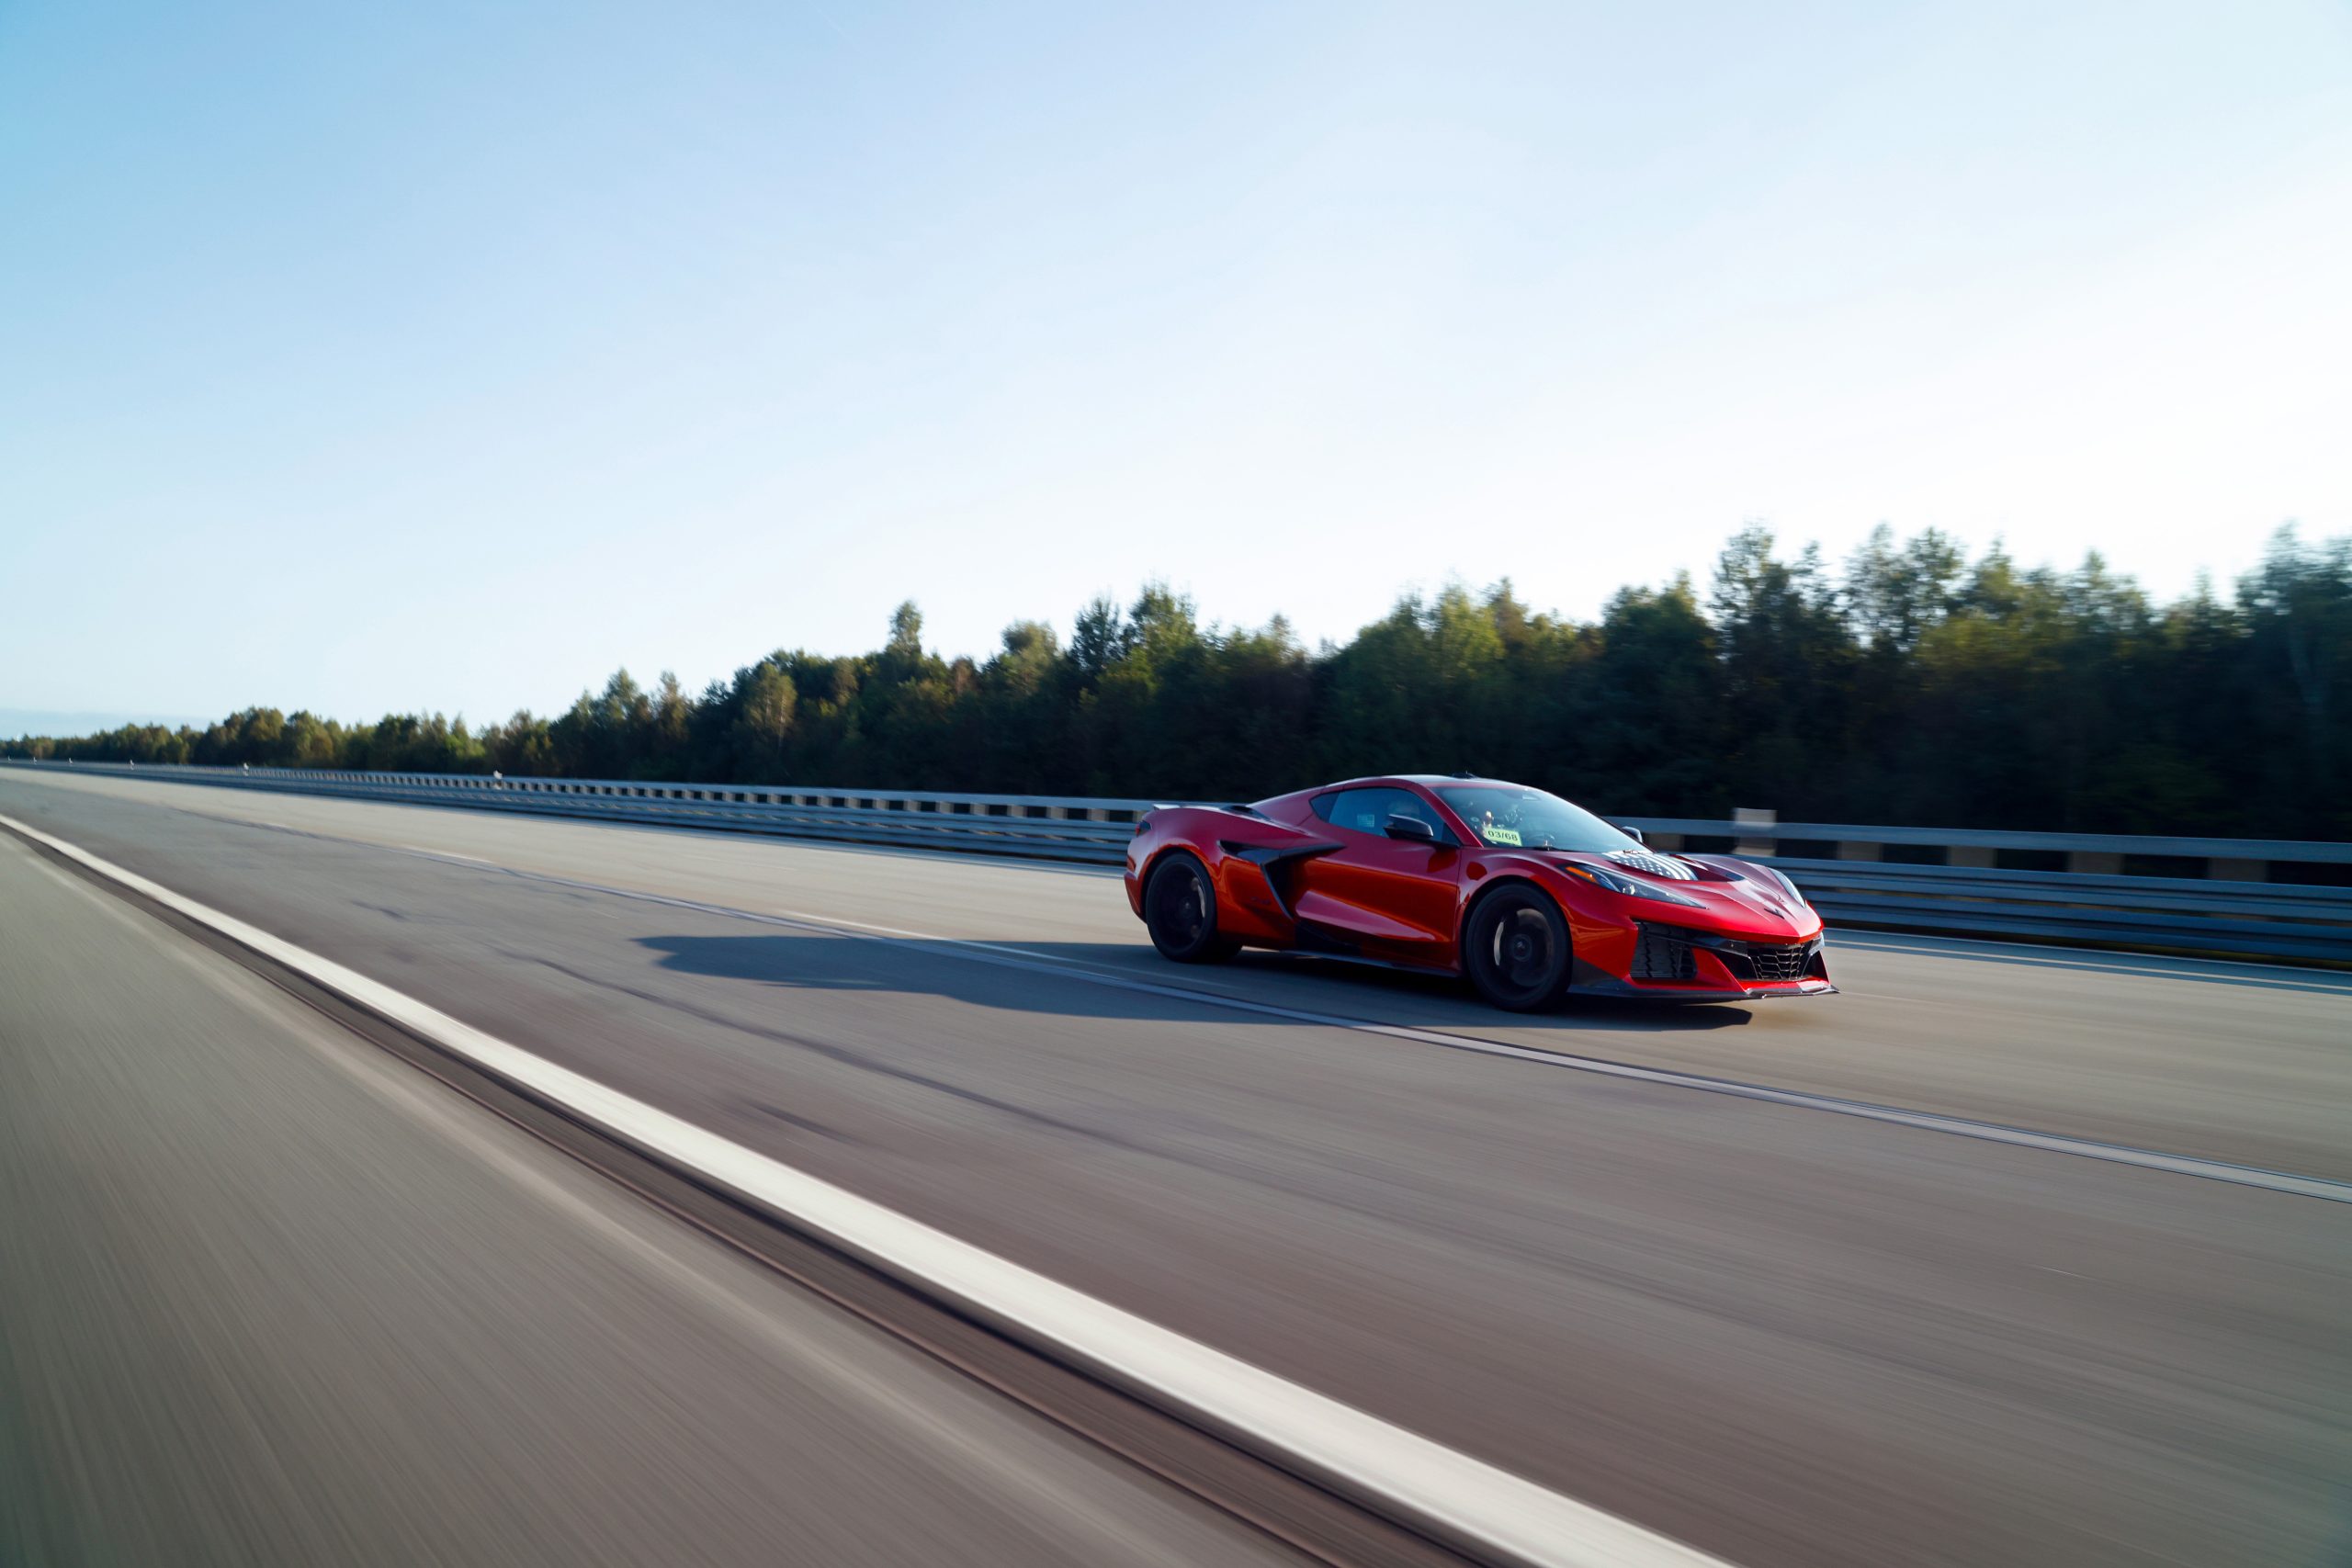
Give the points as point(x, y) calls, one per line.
point(1411, 828)
point(1632, 833)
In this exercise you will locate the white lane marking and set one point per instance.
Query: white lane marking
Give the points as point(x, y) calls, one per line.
point(1495, 1510)
point(1868, 1111)
point(439, 854)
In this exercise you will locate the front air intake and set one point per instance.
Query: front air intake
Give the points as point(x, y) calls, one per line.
point(1670, 952)
point(1659, 954)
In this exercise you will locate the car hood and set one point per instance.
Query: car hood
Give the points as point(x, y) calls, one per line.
point(1736, 897)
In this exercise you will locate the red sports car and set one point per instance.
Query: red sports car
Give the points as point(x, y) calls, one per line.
point(1534, 899)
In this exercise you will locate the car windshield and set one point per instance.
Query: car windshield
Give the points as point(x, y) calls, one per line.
point(1528, 819)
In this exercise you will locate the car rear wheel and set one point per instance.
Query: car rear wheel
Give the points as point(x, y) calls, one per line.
point(1516, 949)
point(1180, 911)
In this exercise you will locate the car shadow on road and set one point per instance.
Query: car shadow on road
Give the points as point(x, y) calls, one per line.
point(1121, 980)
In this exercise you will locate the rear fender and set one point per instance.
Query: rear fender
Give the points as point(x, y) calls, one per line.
point(1248, 858)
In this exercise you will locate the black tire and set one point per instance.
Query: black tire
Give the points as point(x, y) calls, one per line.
point(1180, 911)
point(1515, 948)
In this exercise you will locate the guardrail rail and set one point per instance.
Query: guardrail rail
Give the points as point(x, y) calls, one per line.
point(2075, 888)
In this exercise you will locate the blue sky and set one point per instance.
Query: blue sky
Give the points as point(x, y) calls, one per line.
point(424, 357)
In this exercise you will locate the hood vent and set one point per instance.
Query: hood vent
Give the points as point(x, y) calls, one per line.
point(1654, 865)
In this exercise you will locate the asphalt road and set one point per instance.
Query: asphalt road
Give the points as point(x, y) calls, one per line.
point(271, 1297)
point(1784, 1335)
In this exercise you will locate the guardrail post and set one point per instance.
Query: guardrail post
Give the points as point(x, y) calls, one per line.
point(2093, 862)
point(1977, 855)
point(1856, 850)
point(1744, 817)
point(2221, 870)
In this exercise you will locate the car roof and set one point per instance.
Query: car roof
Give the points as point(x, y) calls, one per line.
point(1298, 797)
point(1427, 780)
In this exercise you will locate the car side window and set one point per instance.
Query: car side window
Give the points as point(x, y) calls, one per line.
point(1367, 810)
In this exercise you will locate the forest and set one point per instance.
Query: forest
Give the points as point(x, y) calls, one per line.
point(1907, 684)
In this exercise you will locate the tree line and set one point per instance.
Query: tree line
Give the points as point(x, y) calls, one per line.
point(1906, 684)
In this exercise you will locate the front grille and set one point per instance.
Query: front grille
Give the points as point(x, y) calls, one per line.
point(1765, 961)
point(1669, 952)
point(1788, 962)
point(1659, 954)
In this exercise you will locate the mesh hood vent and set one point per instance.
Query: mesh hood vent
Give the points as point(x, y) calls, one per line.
point(1655, 865)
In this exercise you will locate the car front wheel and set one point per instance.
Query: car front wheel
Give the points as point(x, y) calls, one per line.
point(1516, 949)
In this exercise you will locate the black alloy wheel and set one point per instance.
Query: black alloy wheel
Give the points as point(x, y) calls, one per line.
point(1516, 949)
point(1180, 911)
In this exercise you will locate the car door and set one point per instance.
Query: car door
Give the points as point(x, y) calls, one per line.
point(1378, 896)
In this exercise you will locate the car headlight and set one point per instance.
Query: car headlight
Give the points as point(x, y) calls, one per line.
point(1632, 888)
point(1787, 887)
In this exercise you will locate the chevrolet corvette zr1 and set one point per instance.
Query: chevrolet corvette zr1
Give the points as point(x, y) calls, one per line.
point(1533, 898)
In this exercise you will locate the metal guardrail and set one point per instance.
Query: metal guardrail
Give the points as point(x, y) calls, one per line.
point(2235, 908)
point(1036, 825)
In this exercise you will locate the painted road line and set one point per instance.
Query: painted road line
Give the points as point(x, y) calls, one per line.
point(1493, 1511)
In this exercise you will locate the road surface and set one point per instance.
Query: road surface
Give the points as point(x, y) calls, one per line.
point(1780, 1332)
point(270, 1296)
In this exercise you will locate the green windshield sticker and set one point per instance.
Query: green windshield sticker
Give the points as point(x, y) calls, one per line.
point(1500, 835)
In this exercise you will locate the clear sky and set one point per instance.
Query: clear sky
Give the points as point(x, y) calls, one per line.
point(412, 356)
